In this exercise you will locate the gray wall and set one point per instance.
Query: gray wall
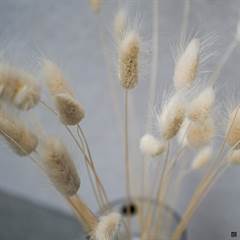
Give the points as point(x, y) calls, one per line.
point(68, 33)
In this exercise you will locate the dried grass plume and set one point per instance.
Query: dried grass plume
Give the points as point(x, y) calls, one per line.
point(129, 49)
point(151, 146)
point(60, 167)
point(70, 111)
point(200, 107)
point(187, 65)
point(202, 158)
point(172, 116)
point(21, 140)
point(108, 227)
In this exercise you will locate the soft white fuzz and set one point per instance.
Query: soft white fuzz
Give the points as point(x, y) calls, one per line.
point(187, 65)
point(18, 87)
point(129, 49)
point(21, 140)
point(151, 146)
point(201, 106)
point(108, 227)
point(27, 96)
point(59, 167)
point(200, 134)
point(172, 116)
point(55, 78)
point(182, 135)
point(233, 128)
point(202, 158)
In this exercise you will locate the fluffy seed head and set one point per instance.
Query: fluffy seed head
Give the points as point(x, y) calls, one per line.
point(234, 157)
point(22, 141)
point(233, 128)
point(187, 65)
point(18, 87)
point(60, 168)
point(200, 107)
point(55, 79)
point(172, 116)
point(200, 134)
point(70, 111)
point(202, 158)
point(108, 227)
point(120, 23)
point(150, 146)
point(27, 97)
point(129, 60)
point(182, 135)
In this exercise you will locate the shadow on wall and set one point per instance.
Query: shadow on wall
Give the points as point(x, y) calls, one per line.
point(20, 219)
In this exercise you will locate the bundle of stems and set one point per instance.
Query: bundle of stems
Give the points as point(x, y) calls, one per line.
point(185, 122)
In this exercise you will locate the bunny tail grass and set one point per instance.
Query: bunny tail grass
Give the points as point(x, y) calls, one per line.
point(171, 117)
point(200, 107)
point(108, 227)
point(187, 65)
point(18, 87)
point(151, 146)
point(21, 140)
point(129, 60)
point(60, 167)
point(54, 79)
point(200, 134)
point(70, 111)
point(202, 158)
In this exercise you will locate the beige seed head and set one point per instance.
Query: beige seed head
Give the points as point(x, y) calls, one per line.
point(22, 141)
point(120, 24)
point(18, 87)
point(187, 65)
point(70, 111)
point(108, 227)
point(200, 134)
point(172, 116)
point(95, 5)
point(233, 128)
point(55, 79)
point(60, 167)
point(129, 60)
point(202, 158)
point(200, 107)
point(27, 96)
point(182, 134)
point(151, 146)
point(234, 157)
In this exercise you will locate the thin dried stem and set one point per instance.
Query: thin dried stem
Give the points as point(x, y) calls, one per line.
point(83, 213)
point(152, 87)
point(87, 161)
point(126, 156)
point(149, 217)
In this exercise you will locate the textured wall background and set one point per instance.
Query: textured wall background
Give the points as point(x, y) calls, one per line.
point(67, 32)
